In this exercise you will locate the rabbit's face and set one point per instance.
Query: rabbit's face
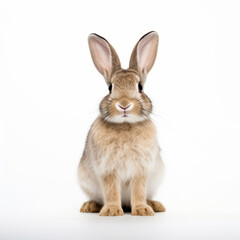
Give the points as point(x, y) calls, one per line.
point(126, 101)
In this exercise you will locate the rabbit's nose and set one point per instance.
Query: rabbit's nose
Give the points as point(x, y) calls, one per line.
point(124, 105)
point(124, 108)
point(121, 107)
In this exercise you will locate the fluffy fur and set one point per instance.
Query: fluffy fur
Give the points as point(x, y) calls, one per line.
point(121, 163)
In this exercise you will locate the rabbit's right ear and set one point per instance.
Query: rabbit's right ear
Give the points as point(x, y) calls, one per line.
point(104, 56)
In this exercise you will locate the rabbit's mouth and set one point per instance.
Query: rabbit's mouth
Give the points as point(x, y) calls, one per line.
point(125, 113)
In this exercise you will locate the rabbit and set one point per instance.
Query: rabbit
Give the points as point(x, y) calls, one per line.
point(121, 164)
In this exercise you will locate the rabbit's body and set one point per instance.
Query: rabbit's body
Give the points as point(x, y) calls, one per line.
point(127, 151)
point(121, 163)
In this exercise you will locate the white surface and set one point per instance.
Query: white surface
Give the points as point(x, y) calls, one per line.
point(49, 96)
point(91, 226)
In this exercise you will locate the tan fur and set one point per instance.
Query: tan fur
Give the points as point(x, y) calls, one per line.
point(112, 198)
point(138, 197)
point(121, 163)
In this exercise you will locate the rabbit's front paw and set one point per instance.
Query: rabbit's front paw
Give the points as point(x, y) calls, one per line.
point(111, 211)
point(142, 210)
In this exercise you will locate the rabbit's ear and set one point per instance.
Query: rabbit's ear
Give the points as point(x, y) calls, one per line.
point(144, 54)
point(104, 56)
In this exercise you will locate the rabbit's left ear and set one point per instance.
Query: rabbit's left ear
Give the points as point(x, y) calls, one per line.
point(144, 54)
point(104, 56)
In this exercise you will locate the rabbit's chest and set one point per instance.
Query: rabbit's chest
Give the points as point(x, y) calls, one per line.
point(123, 150)
point(127, 157)
point(131, 158)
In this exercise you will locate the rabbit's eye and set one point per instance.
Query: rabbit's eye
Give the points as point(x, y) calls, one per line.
point(110, 88)
point(140, 87)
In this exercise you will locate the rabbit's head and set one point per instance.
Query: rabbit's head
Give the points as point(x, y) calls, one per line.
point(126, 101)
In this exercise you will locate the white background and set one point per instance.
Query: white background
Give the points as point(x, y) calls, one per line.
point(49, 96)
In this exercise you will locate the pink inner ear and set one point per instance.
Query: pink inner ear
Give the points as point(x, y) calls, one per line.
point(101, 55)
point(144, 55)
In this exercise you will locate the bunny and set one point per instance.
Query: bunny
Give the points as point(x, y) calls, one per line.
point(121, 164)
